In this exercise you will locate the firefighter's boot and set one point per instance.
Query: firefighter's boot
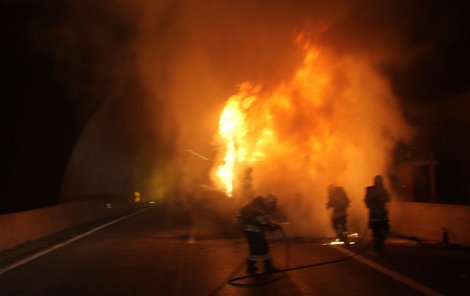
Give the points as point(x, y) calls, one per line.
point(268, 266)
point(251, 267)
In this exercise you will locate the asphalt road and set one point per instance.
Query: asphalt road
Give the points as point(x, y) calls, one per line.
point(154, 253)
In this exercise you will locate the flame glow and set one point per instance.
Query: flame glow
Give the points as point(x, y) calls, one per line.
point(335, 121)
point(234, 130)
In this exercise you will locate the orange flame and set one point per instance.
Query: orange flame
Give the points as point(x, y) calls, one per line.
point(334, 121)
point(235, 130)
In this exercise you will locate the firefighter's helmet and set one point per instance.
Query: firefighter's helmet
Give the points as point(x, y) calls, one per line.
point(378, 180)
point(270, 198)
point(270, 203)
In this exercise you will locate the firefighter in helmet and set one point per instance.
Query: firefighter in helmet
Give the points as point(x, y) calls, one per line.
point(339, 201)
point(254, 218)
point(376, 199)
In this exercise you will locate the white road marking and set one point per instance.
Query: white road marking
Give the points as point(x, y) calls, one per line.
point(60, 245)
point(180, 270)
point(401, 278)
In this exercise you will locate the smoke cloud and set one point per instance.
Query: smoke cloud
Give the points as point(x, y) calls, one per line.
point(171, 66)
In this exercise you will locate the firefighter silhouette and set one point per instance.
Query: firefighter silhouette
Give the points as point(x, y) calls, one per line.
point(339, 201)
point(376, 199)
point(254, 218)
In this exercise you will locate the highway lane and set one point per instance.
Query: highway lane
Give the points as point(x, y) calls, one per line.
point(153, 253)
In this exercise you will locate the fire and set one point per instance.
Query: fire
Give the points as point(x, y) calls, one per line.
point(234, 130)
point(230, 125)
point(334, 121)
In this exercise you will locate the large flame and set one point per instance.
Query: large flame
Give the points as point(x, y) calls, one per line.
point(235, 131)
point(335, 121)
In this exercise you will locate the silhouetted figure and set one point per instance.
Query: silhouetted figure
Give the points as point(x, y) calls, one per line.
point(255, 220)
point(339, 201)
point(376, 198)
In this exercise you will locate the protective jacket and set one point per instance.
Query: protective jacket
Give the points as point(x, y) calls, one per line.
point(254, 217)
point(339, 201)
point(376, 197)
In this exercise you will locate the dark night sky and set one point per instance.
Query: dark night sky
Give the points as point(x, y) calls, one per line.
point(42, 119)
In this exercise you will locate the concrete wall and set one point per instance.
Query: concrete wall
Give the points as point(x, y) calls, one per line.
point(21, 227)
point(100, 164)
point(427, 220)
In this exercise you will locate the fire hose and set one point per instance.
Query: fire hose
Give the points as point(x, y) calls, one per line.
point(281, 272)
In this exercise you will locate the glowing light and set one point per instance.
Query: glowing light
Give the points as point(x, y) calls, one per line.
point(137, 197)
point(333, 120)
point(230, 125)
point(337, 243)
point(234, 131)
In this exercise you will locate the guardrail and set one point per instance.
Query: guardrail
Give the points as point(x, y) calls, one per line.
point(448, 224)
point(21, 227)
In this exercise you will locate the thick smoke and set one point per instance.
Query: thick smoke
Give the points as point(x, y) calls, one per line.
point(171, 66)
point(216, 47)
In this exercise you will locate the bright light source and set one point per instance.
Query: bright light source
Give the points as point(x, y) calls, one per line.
point(137, 197)
point(337, 243)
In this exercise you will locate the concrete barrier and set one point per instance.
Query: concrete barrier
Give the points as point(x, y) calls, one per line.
point(427, 221)
point(22, 227)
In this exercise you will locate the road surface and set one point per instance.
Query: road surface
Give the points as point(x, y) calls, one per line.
point(153, 253)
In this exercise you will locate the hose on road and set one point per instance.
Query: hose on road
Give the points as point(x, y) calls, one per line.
point(261, 278)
